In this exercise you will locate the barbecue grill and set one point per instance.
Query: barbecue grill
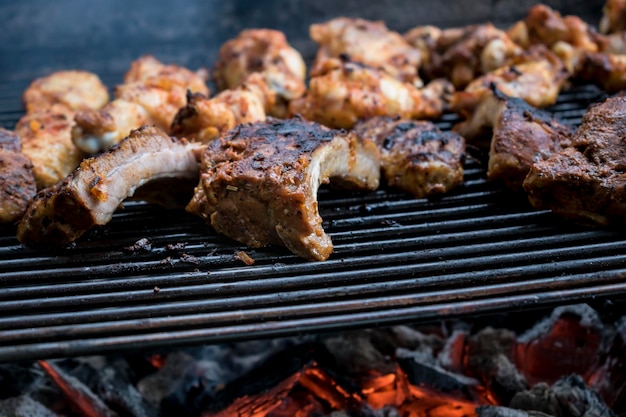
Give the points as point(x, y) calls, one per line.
point(154, 277)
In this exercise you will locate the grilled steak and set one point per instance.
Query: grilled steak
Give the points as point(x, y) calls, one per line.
point(259, 182)
point(91, 194)
point(586, 182)
point(17, 181)
point(520, 135)
point(416, 156)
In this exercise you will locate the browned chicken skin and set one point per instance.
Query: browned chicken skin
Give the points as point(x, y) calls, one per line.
point(60, 214)
point(519, 135)
point(349, 92)
point(45, 130)
point(585, 182)
point(613, 17)
point(462, 54)
point(259, 182)
point(367, 42)
point(152, 94)
point(17, 181)
point(204, 119)
point(605, 70)
point(416, 157)
point(266, 52)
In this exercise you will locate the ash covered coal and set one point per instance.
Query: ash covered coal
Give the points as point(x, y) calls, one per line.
point(570, 363)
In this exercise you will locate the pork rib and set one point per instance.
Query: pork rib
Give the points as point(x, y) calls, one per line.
point(259, 182)
point(89, 196)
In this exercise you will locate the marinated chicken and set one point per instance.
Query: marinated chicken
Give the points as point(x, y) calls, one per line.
point(348, 92)
point(259, 182)
point(462, 54)
point(152, 94)
point(75, 90)
point(45, 129)
point(60, 214)
point(204, 119)
point(538, 82)
point(519, 136)
point(585, 182)
point(17, 181)
point(416, 157)
point(267, 52)
point(613, 17)
point(367, 42)
point(605, 70)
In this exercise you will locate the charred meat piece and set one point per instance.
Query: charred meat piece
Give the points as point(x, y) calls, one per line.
point(17, 181)
point(152, 94)
point(76, 90)
point(416, 157)
point(537, 81)
point(519, 136)
point(367, 42)
point(608, 71)
point(266, 52)
point(613, 16)
point(204, 119)
point(462, 54)
point(88, 197)
point(586, 182)
point(348, 92)
point(259, 182)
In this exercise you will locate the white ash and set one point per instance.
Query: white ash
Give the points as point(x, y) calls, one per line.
point(23, 406)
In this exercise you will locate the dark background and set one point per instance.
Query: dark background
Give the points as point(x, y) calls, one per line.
point(104, 36)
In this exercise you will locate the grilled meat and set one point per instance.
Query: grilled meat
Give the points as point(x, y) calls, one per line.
point(462, 54)
point(416, 157)
point(367, 42)
point(259, 182)
point(60, 214)
point(586, 182)
point(203, 119)
point(613, 16)
point(76, 90)
point(17, 181)
point(152, 94)
point(519, 136)
point(605, 70)
point(537, 81)
point(267, 52)
point(346, 93)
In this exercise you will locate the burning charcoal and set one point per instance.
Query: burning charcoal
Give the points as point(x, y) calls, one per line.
point(117, 391)
point(162, 383)
point(609, 380)
point(23, 406)
point(452, 355)
point(412, 339)
point(490, 355)
point(492, 411)
point(423, 372)
point(568, 397)
point(354, 353)
point(569, 341)
point(77, 393)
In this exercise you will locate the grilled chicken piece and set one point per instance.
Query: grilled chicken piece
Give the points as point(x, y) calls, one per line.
point(60, 214)
point(259, 182)
point(462, 54)
point(605, 70)
point(152, 94)
point(538, 82)
point(519, 136)
point(367, 42)
point(76, 90)
point(17, 181)
point(416, 157)
point(267, 52)
point(586, 182)
point(344, 94)
point(613, 17)
point(204, 119)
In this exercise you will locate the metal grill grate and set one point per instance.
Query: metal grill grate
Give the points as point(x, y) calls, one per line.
point(397, 260)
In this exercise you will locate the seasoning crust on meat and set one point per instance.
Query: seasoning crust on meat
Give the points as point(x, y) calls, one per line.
point(259, 182)
point(17, 181)
point(416, 156)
